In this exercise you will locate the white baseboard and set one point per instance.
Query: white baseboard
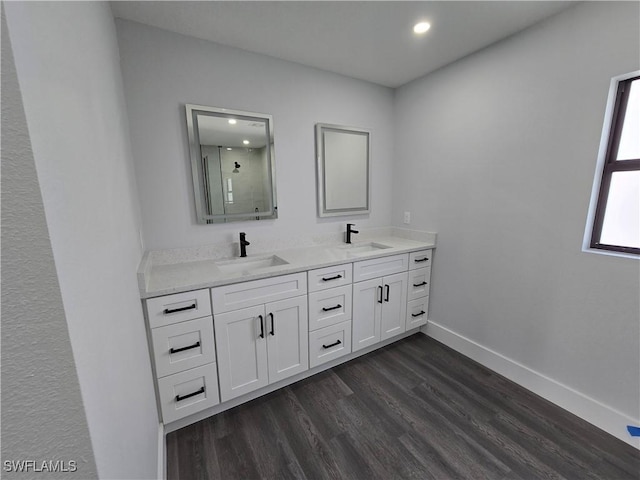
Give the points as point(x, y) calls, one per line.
point(585, 407)
point(162, 453)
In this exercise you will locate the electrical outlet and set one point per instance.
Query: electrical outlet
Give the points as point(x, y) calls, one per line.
point(407, 217)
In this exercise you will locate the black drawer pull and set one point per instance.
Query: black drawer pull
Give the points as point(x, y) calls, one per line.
point(189, 395)
point(418, 260)
point(331, 308)
point(419, 284)
point(261, 326)
point(386, 299)
point(338, 342)
point(331, 278)
point(167, 311)
point(418, 314)
point(273, 324)
point(380, 294)
point(176, 350)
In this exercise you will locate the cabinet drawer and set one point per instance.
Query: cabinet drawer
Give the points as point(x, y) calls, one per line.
point(329, 343)
point(420, 259)
point(329, 307)
point(329, 277)
point(419, 281)
point(178, 307)
point(182, 346)
point(185, 393)
point(258, 292)
point(417, 312)
point(378, 267)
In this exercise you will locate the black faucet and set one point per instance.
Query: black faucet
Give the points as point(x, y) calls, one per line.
point(350, 231)
point(243, 244)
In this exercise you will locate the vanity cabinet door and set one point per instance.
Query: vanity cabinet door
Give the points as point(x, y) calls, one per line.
point(287, 332)
point(367, 313)
point(394, 306)
point(241, 343)
point(379, 309)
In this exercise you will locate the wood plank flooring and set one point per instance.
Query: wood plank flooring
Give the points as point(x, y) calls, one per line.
point(414, 409)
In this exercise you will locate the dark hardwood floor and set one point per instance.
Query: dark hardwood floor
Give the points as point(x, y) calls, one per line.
point(414, 409)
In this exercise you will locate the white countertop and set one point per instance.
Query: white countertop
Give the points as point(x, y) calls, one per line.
point(184, 276)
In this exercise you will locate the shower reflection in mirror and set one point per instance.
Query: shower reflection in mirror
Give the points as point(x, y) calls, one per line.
point(232, 156)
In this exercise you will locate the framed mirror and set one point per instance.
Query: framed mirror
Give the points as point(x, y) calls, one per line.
point(343, 177)
point(232, 162)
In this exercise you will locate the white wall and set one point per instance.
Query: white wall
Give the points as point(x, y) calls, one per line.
point(497, 154)
point(502, 171)
point(162, 71)
point(66, 56)
point(42, 379)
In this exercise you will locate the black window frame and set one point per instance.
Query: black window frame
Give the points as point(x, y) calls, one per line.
point(611, 165)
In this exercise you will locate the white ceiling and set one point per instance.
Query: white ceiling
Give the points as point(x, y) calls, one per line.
point(370, 40)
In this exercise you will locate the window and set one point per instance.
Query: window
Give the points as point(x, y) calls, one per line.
point(616, 221)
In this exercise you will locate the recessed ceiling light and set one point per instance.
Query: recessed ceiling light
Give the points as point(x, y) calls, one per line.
point(233, 121)
point(246, 142)
point(421, 27)
point(229, 148)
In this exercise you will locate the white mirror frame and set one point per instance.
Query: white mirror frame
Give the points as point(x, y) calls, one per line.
point(322, 159)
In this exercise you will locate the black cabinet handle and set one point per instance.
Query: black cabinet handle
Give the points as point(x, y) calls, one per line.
point(417, 314)
point(261, 326)
point(338, 342)
point(273, 324)
point(419, 284)
point(176, 350)
point(418, 260)
point(331, 278)
point(386, 298)
point(380, 294)
point(189, 395)
point(331, 308)
point(167, 311)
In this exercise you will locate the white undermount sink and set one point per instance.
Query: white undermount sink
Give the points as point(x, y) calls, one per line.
point(357, 249)
point(248, 264)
